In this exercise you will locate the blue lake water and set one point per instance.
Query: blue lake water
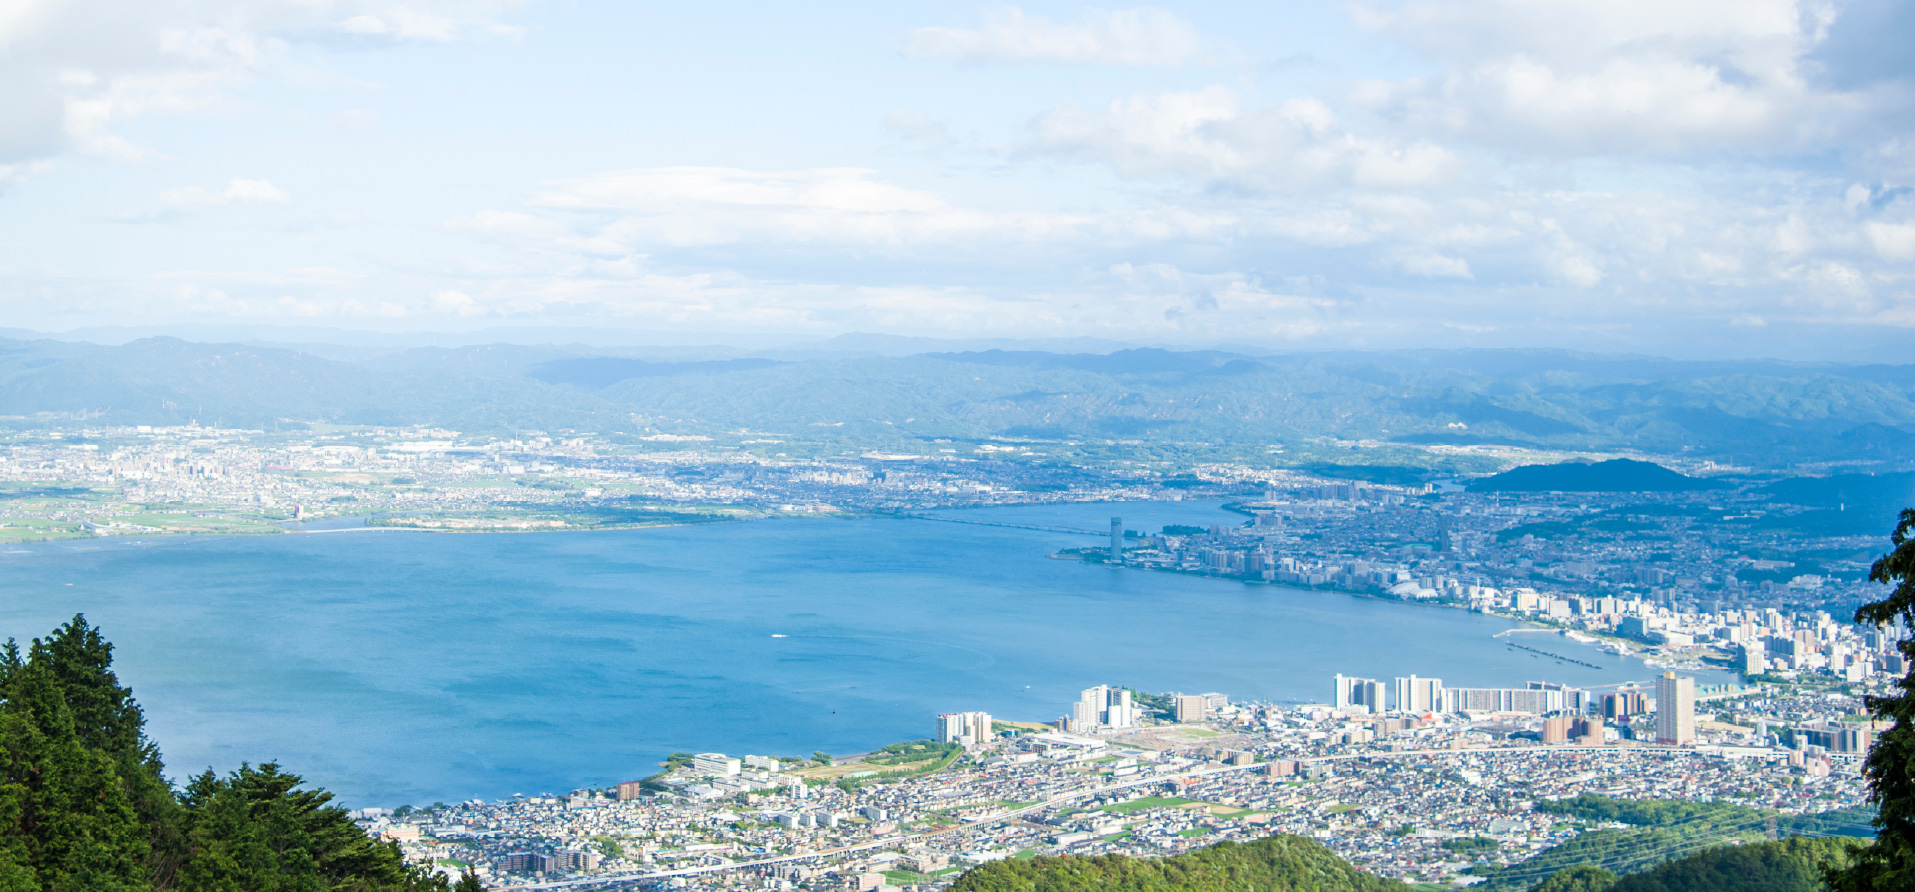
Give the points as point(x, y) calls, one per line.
point(397, 667)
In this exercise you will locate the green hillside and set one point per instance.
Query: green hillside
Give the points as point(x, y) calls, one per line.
point(1273, 864)
point(1660, 830)
point(1788, 865)
point(1616, 475)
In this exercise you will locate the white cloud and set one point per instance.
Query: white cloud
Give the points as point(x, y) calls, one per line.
point(70, 70)
point(1434, 266)
point(1893, 242)
point(1615, 76)
point(455, 303)
point(687, 206)
point(238, 191)
point(1141, 36)
point(1206, 133)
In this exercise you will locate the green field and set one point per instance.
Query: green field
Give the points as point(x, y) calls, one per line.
point(1148, 802)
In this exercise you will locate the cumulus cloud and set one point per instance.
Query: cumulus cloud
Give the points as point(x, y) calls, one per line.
point(1620, 76)
point(70, 70)
point(1296, 145)
point(1141, 36)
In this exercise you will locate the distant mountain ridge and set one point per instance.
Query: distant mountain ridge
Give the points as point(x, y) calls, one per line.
point(1615, 475)
point(1762, 414)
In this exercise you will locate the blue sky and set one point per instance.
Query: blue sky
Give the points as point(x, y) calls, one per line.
point(1695, 179)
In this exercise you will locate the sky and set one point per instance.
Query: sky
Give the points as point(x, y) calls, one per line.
point(1696, 179)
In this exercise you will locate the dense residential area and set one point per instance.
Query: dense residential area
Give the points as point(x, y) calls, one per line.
point(1435, 797)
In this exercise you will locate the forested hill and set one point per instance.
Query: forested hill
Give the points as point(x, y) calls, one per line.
point(1296, 864)
point(1272, 864)
point(84, 806)
point(1788, 865)
point(1765, 414)
point(1615, 475)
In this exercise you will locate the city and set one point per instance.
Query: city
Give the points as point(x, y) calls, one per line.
point(1456, 793)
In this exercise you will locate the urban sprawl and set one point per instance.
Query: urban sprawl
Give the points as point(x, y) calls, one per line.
point(1388, 773)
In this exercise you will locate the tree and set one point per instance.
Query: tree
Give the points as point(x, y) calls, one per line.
point(1581, 878)
point(469, 882)
point(1890, 768)
point(84, 805)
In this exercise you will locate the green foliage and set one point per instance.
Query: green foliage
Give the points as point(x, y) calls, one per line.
point(1890, 863)
point(1275, 864)
point(1581, 878)
point(84, 806)
point(1790, 865)
point(1663, 829)
point(910, 751)
point(1646, 812)
point(1615, 475)
point(1471, 845)
point(1183, 529)
point(253, 829)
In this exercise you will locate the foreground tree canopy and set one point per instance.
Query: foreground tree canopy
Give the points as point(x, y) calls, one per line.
point(1889, 864)
point(84, 806)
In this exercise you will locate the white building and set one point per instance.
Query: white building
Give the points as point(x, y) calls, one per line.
point(716, 765)
point(964, 728)
point(1675, 710)
point(1419, 695)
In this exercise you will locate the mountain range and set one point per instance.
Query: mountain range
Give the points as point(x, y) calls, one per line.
point(1765, 414)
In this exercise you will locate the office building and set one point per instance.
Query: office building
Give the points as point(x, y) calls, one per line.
point(1191, 707)
point(1675, 710)
point(1116, 540)
point(1419, 695)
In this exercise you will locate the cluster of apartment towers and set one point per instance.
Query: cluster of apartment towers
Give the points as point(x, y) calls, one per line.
point(1675, 704)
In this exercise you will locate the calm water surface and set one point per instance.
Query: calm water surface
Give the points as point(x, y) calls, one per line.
point(399, 667)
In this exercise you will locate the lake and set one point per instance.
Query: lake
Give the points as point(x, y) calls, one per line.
point(405, 667)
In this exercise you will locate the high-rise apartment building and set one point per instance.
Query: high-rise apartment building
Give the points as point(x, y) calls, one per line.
point(1366, 692)
point(1103, 707)
point(1675, 710)
point(1191, 707)
point(1116, 540)
point(964, 728)
point(1419, 695)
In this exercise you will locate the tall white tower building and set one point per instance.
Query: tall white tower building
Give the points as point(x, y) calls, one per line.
point(1675, 710)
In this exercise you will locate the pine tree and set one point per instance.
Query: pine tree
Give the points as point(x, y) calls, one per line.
point(1889, 864)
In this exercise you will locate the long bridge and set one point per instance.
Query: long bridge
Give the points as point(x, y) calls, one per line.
point(1015, 526)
